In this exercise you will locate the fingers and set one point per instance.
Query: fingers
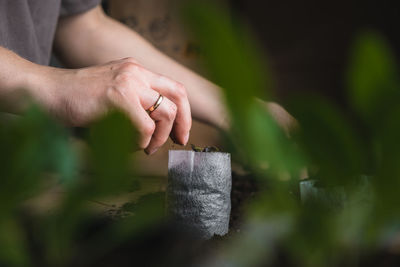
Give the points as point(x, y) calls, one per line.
point(153, 130)
point(176, 92)
point(164, 117)
point(136, 90)
point(139, 117)
point(145, 126)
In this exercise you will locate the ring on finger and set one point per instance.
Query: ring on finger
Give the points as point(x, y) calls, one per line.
point(156, 104)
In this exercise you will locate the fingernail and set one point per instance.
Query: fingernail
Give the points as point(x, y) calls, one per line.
point(186, 139)
point(151, 151)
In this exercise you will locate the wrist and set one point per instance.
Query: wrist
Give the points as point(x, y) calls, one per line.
point(19, 82)
point(39, 83)
point(74, 96)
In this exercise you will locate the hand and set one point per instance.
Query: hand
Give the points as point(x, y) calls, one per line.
point(286, 121)
point(82, 95)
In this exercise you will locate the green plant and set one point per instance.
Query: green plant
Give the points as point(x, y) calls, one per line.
point(205, 149)
point(336, 150)
point(36, 153)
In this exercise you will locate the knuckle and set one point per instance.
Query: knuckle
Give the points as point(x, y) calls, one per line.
point(180, 91)
point(130, 67)
point(148, 129)
point(123, 77)
point(177, 89)
point(130, 59)
point(171, 112)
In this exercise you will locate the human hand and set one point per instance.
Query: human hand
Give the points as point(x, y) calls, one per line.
point(80, 96)
point(285, 121)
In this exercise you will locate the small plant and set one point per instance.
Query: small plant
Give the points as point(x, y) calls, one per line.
point(205, 149)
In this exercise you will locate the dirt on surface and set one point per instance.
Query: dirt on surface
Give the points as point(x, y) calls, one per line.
point(166, 244)
point(244, 188)
point(163, 244)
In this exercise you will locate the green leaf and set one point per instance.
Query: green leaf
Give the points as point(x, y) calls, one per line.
point(31, 145)
point(373, 75)
point(229, 54)
point(330, 141)
point(234, 63)
point(112, 142)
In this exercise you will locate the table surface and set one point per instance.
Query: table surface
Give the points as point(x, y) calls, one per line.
point(49, 200)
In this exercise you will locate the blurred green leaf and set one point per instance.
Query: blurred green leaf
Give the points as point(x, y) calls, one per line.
point(112, 141)
point(373, 75)
point(387, 176)
point(32, 145)
point(330, 142)
point(229, 55)
point(235, 65)
point(14, 250)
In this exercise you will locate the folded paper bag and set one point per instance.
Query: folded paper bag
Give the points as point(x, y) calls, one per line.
point(199, 189)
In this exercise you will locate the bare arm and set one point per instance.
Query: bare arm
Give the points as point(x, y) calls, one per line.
point(93, 38)
point(78, 96)
point(19, 77)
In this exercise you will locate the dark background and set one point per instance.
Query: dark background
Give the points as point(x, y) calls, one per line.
point(308, 42)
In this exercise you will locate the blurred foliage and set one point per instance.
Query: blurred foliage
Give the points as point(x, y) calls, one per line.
point(352, 158)
point(38, 154)
point(337, 148)
point(233, 63)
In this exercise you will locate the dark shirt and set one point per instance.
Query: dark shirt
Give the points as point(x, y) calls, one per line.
point(27, 27)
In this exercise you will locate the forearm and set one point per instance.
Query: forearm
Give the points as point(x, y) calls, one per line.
point(105, 39)
point(56, 90)
point(19, 78)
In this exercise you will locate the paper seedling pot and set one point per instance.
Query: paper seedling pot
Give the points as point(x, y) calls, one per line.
point(199, 190)
point(338, 197)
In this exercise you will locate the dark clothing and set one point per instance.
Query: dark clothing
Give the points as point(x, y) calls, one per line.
point(27, 27)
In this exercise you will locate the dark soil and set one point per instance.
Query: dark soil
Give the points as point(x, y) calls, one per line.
point(99, 241)
point(163, 244)
point(244, 188)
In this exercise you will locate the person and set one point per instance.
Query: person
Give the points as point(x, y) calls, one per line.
point(111, 66)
